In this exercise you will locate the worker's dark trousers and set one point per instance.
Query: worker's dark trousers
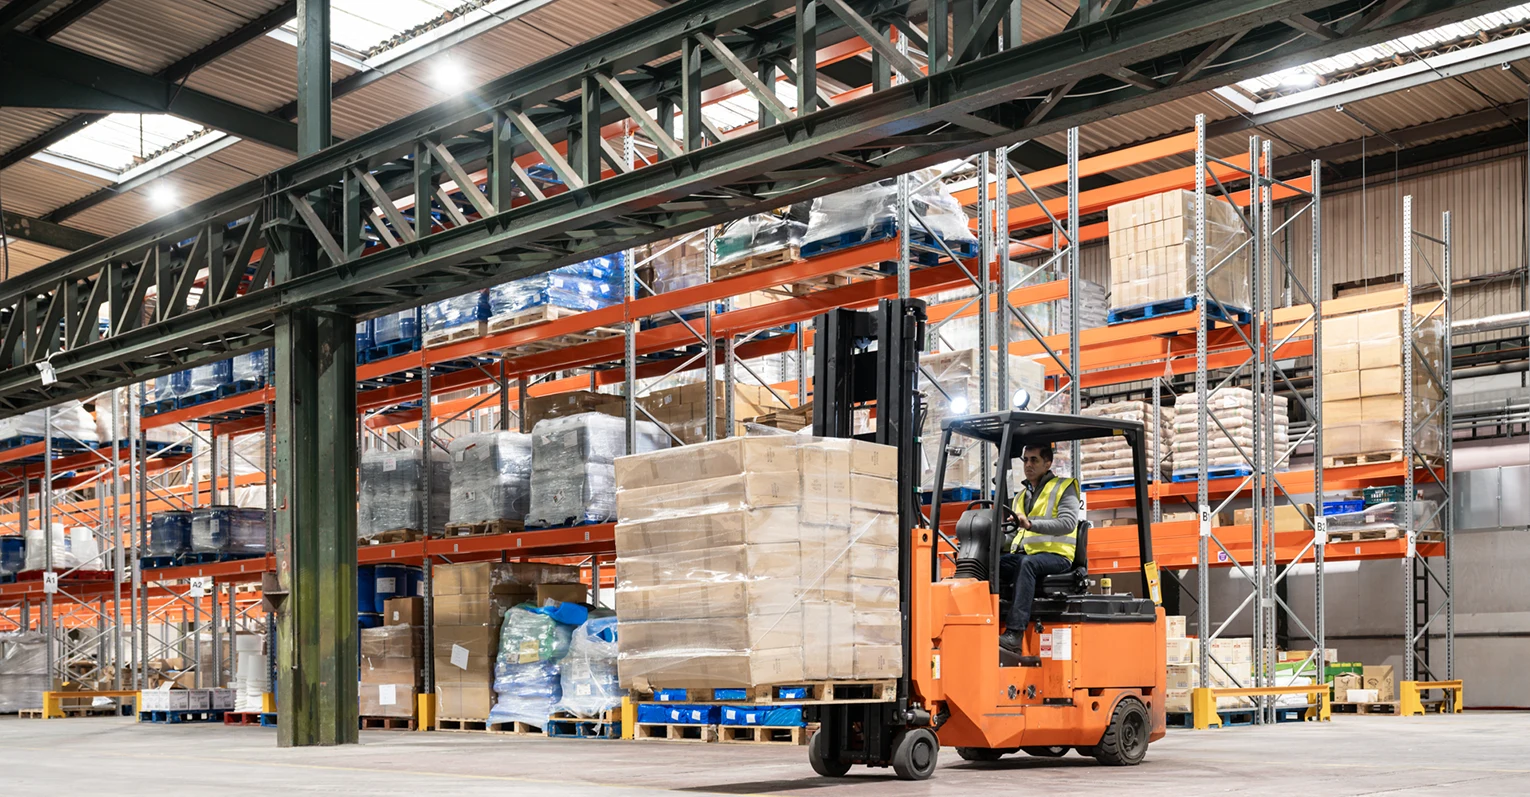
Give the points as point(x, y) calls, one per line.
point(1024, 570)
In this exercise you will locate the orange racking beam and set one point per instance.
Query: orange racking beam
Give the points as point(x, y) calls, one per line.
point(1295, 482)
point(1176, 546)
point(1100, 199)
point(1093, 165)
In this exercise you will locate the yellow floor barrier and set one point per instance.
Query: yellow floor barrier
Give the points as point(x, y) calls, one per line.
point(1411, 693)
point(1203, 701)
point(53, 702)
point(425, 709)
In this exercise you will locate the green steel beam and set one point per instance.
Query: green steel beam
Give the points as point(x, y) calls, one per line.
point(40, 74)
point(890, 131)
point(47, 233)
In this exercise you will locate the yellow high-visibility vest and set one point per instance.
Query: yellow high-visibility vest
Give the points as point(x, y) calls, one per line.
point(1045, 506)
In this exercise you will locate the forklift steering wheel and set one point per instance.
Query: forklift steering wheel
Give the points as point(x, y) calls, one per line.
point(1011, 518)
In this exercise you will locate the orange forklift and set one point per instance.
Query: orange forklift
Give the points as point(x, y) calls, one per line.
point(1097, 686)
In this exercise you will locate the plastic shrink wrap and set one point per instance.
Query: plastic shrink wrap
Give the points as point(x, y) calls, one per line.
point(390, 670)
point(1112, 458)
point(69, 421)
point(251, 366)
point(228, 529)
point(1390, 515)
point(171, 387)
point(674, 264)
point(1093, 309)
point(130, 418)
point(761, 234)
point(210, 377)
point(170, 533)
point(868, 212)
point(394, 327)
point(572, 478)
point(589, 285)
point(1152, 251)
point(532, 642)
point(1231, 426)
point(457, 311)
point(757, 560)
point(588, 672)
point(491, 477)
point(13, 554)
point(391, 492)
point(72, 548)
point(23, 671)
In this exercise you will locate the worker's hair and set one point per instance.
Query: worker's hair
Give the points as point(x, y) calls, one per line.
point(1044, 449)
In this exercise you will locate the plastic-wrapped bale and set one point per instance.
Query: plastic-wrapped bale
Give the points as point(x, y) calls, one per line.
point(589, 285)
point(170, 533)
point(391, 492)
point(458, 311)
point(1152, 251)
point(172, 386)
point(228, 529)
point(1233, 408)
point(1093, 308)
point(72, 548)
point(251, 367)
point(1111, 458)
point(588, 672)
point(532, 642)
point(572, 476)
point(757, 560)
point(491, 477)
point(23, 671)
point(128, 418)
point(870, 213)
point(959, 393)
point(761, 235)
point(1388, 516)
point(69, 421)
point(206, 379)
point(395, 327)
point(13, 554)
point(1364, 412)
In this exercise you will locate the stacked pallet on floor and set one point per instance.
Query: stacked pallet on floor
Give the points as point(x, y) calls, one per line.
point(391, 666)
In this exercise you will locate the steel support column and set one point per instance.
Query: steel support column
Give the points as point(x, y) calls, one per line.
point(316, 457)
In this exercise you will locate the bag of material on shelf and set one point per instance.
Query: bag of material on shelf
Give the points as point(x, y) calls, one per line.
point(210, 377)
point(491, 477)
point(228, 529)
point(589, 285)
point(252, 366)
point(72, 548)
point(469, 308)
point(392, 493)
point(955, 390)
point(1112, 457)
point(572, 476)
point(23, 671)
point(588, 672)
point(130, 417)
point(867, 212)
point(757, 560)
point(68, 421)
point(1232, 443)
point(1362, 382)
point(1093, 309)
point(1152, 251)
point(761, 234)
point(532, 642)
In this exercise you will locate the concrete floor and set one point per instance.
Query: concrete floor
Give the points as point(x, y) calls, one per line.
point(1476, 754)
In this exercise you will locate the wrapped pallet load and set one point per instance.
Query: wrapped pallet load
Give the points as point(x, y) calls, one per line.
point(870, 213)
point(456, 318)
point(390, 669)
point(392, 495)
point(1111, 459)
point(762, 239)
point(532, 642)
point(228, 530)
point(588, 672)
point(491, 479)
point(684, 410)
point(755, 561)
point(572, 476)
point(957, 391)
point(1364, 411)
point(585, 286)
point(68, 422)
point(1230, 437)
point(23, 671)
point(1152, 251)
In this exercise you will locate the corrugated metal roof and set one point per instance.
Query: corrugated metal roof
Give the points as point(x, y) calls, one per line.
point(148, 35)
point(33, 188)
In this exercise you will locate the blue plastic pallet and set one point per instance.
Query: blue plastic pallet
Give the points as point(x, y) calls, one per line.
point(1218, 472)
point(7, 578)
point(1106, 484)
point(154, 562)
point(207, 557)
point(582, 728)
point(175, 717)
point(60, 444)
point(1230, 718)
point(159, 406)
point(150, 446)
point(1183, 304)
point(571, 524)
point(383, 351)
point(268, 719)
point(952, 495)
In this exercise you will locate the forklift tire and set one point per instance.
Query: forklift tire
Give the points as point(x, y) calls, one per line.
point(914, 754)
point(1125, 741)
point(982, 753)
point(1046, 752)
point(820, 758)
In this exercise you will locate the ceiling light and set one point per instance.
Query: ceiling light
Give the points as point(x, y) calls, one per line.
point(449, 76)
point(1298, 80)
point(163, 196)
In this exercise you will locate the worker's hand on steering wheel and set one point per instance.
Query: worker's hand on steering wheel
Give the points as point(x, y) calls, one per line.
point(1014, 521)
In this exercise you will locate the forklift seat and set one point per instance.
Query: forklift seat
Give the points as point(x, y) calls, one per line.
point(1075, 581)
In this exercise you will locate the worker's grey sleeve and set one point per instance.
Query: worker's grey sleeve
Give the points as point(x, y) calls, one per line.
point(1067, 516)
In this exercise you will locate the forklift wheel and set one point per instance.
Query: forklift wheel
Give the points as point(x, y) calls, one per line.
point(820, 758)
point(1126, 738)
point(1046, 752)
point(982, 753)
point(914, 754)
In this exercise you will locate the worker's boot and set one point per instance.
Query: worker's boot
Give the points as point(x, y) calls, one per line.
point(1014, 642)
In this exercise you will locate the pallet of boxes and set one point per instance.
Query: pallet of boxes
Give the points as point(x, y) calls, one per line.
point(684, 409)
point(469, 604)
point(765, 565)
point(1232, 667)
point(1153, 253)
point(391, 665)
point(1365, 689)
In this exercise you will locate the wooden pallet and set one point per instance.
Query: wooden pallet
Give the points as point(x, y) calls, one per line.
point(446, 337)
point(1388, 533)
point(515, 728)
point(387, 723)
point(486, 527)
point(30, 714)
point(653, 731)
point(462, 724)
point(562, 341)
point(1377, 458)
point(1392, 708)
point(74, 711)
point(392, 536)
point(528, 318)
point(764, 734)
point(764, 260)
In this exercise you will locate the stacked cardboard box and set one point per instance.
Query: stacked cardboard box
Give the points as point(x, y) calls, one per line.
point(1363, 407)
point(1108, 458)
point(1288, 517)
point(391, 658)
point(470, 601)
point(1234, 655)
point(958, 391)
point(1230, 437)
point(684, 409)
point(757, 560)
point(559, 405)
point(1152, 251)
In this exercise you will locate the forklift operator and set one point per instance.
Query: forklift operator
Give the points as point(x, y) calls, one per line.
point(1048, 510)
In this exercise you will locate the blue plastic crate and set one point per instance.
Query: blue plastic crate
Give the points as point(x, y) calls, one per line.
point(677, 714)
point(1343, 507)
point(765, 716)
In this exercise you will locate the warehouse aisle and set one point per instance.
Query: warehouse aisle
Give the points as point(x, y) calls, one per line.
point(1478, 754)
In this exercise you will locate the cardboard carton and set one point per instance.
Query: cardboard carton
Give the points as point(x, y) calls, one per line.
point(389, 699)
point(1174, 626)
point(1381, 679)
point(404, 611)
point(463, 701)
